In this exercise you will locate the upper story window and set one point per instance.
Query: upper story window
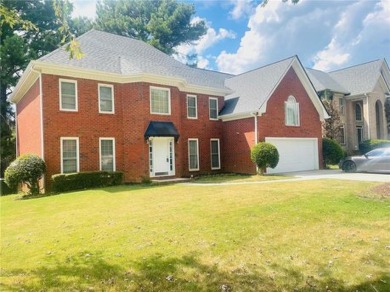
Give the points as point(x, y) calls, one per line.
point(192, 107)
point(160, 101)
point(106, 99)
point(213, 108)
point(69, 154)
point(358, 112)
point(341, 105)
point(291, 108)
point(68, 95)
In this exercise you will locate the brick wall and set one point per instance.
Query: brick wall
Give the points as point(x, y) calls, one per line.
point(127, 126)
point(239, 134)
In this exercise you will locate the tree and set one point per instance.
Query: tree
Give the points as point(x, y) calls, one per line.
point(27, 169)
point(164, 24)
point(265, 155)
point(332, 127)
point(331, 151)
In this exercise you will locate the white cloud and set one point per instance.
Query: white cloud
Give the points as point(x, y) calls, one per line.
point(324, 34)
point(241, 8)
point(211, 38)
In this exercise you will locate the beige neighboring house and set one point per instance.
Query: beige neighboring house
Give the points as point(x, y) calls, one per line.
point(360, 92)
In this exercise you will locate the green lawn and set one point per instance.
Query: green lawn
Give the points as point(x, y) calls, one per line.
point(288, 236)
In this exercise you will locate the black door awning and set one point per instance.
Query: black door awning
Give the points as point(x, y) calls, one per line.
point(161, 129)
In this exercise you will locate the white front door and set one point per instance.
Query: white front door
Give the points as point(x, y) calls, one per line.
point(162, 156)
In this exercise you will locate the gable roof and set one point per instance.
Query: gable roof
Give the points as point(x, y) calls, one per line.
point(322, 81)
point(361, 78)
point(251, 90)
point(115, 58)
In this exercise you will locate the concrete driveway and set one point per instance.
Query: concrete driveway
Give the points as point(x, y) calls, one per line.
point(339, 174)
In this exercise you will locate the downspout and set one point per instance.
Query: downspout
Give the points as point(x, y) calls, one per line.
point(254, 114)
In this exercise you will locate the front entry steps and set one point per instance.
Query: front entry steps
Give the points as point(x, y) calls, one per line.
point(170, 180)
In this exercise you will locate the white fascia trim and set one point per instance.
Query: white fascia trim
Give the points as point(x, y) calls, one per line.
point(24, 84)
point(239, 116)
point(310, 90)
point(75, 72)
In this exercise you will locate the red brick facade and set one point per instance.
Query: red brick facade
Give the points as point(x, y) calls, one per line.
point(239, 135)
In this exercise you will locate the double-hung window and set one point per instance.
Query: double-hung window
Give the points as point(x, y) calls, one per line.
point(291, 108)
point(213, 108)
point(107, 154)
point(193, 154)
point(160, 101)
point(68, 95)
point(341, 105)
point(358, 112)
point(69, 154)
point(106, 99)
point(215, 156)
point(192, 107)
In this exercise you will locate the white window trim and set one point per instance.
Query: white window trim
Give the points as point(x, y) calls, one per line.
point(297, 108)
point(216, 99)
point(76, 95)
point(196, 107)
point(344, 136)
point(361, 112)
point(77, 150)
point(197, 152)
point(169, 100)
point(113, 151)
point(219, 154)
point(112, 96)
point(342, 106)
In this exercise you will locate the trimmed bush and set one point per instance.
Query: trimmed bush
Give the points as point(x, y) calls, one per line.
point(332, 152)
point(265, 155)
point(85, 180)
point(369, 145)
point(27, 169)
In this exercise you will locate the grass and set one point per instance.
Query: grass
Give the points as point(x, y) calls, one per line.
point(305, 236)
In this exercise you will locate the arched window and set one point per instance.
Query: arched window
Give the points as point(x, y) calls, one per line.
point(291, 110)
point(358, 112)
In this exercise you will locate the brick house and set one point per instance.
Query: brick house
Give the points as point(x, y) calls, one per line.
point(126, 106)
point(360, 93)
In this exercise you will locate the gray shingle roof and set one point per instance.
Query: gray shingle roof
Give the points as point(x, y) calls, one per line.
point(111, 53)
point(359, 79)
point(252, 89)
point(322, 80)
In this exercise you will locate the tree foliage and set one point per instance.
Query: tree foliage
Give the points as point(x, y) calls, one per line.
point(332, 126)
point(164, 24)
point(331, 151)
point(27, 169)
point(265, 155)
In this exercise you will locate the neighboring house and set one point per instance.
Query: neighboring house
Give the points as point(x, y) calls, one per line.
point(126, 106)
point(360, 92)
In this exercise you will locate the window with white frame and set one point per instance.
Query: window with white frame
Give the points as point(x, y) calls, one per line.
point(68, 95)
point(192, 107)
point(291, 108)
point(160, 101)
point(69, 154)
point(342, 135)
point(213, 108)
point(107, 154)
point(215, 157)
point(106, 98)
point(193, 154)
point(358, 112)
point(341, 105)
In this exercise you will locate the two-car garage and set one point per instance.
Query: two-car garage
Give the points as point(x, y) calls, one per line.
point(295, 154)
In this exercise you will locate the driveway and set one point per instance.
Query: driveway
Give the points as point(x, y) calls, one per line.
point(339, 174)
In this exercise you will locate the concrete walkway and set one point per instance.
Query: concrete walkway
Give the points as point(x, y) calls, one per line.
point(312, 175)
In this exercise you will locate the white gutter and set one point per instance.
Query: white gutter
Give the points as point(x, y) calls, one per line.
point(256, 130)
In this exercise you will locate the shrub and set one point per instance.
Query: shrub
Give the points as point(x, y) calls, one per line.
point(6, 190)
point(27, 169)
point(332, 152)
point(369, 145)
point(85, 180)
point(265, 155)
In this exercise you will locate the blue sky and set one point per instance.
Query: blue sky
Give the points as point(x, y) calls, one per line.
point(325, 34)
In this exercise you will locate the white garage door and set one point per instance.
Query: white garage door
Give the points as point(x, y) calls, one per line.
point(295, 154)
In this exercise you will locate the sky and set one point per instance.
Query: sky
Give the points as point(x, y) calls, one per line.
point(243, 35)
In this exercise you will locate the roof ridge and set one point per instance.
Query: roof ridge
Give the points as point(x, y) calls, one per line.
point(357, 65)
